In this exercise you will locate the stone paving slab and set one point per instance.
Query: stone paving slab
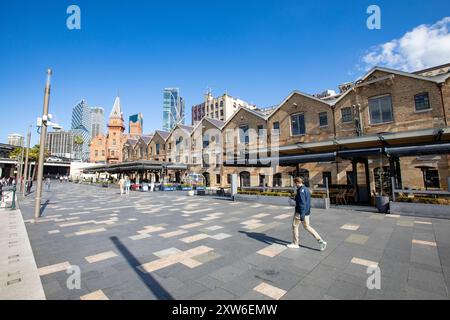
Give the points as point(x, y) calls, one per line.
point(165, 245)
point(19, 277)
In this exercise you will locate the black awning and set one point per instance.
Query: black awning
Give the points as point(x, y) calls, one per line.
point(306, 158)
point(284, 160)
point(357, 153)
point(419, 150)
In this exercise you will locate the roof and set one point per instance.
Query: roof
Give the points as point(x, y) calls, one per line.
point(215, 122)
point(163, 134)
point(186, 128)
point(299, 93)
point(116, 111)
point(132, 141)
point(147, 138)
point(254, 112)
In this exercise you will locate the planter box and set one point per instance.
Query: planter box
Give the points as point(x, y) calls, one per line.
point(186, 188)
point(168, 189)
point(420, 210)
point(317, 203)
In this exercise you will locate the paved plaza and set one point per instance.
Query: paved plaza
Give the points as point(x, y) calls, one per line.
point(166, 245)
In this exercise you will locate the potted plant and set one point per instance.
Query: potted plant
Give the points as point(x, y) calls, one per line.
point(381, 199)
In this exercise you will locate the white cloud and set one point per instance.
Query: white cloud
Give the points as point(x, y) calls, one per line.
point(423, 47)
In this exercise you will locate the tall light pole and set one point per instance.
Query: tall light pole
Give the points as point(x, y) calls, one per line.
point(25, 174)
point(20, 168)
point(40, 173)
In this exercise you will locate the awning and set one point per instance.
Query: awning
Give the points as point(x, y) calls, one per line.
point(284, 160)
point(357, 153)
point(420, 150)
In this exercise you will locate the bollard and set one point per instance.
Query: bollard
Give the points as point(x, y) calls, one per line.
point(13, 204)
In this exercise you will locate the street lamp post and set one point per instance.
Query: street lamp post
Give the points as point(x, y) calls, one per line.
point(40, 173)
point(25, 174)
point(19, 169)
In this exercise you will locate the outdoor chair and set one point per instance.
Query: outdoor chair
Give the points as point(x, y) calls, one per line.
point(341, 197)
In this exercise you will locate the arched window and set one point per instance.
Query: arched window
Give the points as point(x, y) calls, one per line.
point(245, 178)
point(277, 180)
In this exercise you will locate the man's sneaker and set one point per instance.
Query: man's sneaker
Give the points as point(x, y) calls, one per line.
point(322, 245)
point(293, 246)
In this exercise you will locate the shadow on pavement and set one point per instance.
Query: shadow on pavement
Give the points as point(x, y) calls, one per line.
point(154, 287)
point(43, 207)
point(264, 238)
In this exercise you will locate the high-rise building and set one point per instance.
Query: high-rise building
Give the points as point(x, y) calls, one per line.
point(15, 139)
point(136, 124)
point(97, 121)
point(220, 108)
point(81, 126)
point(61, 144)
point(173, 108)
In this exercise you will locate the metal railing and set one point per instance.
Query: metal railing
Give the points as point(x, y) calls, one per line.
point(418, 192)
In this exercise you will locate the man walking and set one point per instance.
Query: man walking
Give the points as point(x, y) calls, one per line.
point(121, 185)
point(301, 215)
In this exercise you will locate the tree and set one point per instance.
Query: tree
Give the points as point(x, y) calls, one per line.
point(77, 145)
point(33, 155)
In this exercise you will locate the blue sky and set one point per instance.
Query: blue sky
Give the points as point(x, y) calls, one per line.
point(255, 50)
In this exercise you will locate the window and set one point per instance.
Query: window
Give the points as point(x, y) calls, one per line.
point(380, 110)
point(276, 128)
point(243, 134)
point(326, 176)
point(218, 178)
point(422, 102)
point(186, 159)
point(114, 142)
point(297, 124)
point(277, 181)
point(157, 148)
point(96, 153)
point(217, 160)
point(262, 180)
point(205, 141)
point(112, 153)
point(194, 160)
point(228, 178)
point(103, 153)
point(170, 146)
point(260, 131)
point(432, 179)
point(347, 115)
point(323, 119)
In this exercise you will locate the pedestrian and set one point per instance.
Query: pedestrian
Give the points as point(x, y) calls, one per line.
point(121, 185)
point(152, 186)
point(302, 214)
point(127, 185)
point(47, 184)
point(29, 185)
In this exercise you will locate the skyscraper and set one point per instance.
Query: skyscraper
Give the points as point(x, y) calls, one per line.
point(81, 126)
point(97, 121)
point(173, 108)
point(60, 144)
point(136, 124)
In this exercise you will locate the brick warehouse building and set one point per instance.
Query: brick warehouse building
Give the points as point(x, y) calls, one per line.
point(387, 124)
